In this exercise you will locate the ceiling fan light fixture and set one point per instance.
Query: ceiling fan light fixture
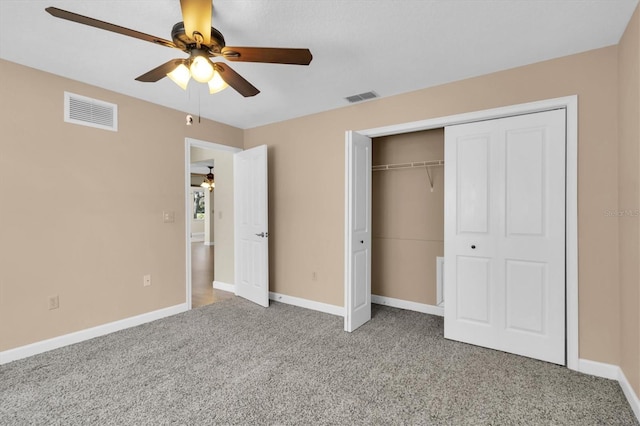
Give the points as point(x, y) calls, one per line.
point(208, 185)
point(217, 84)
point(208, 180)
point(196, 37)
point(201, 69)
point(180, 75)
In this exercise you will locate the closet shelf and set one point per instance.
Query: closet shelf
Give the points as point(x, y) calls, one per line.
point(412, 165)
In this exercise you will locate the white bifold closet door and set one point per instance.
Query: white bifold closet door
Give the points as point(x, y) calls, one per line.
point(358, 229)
point(505, 234)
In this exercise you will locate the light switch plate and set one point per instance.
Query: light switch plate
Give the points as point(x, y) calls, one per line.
point(168, 216)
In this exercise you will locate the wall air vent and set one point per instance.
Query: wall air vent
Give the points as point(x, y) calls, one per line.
point(361, 97)
point(90, 112)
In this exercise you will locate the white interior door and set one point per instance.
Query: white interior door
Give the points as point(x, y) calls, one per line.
point(505, 234)
point(358, 232)
point(251, 225)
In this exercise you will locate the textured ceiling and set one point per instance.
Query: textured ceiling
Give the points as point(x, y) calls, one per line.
point(390, 47)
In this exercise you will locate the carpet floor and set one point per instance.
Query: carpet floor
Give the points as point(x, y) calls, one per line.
point(234, 362)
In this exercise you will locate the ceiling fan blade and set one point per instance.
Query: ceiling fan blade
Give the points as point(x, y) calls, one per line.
point(161, 71)
point(74, 17)
point(271, 55)
point(235, 80)
point(196, 15)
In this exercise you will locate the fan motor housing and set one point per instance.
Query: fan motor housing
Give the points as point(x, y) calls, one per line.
point(186, 43)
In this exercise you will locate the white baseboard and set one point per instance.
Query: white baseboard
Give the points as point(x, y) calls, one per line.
point(600, 369)
point(613, 372)
point(629, 393)
point(309, 304)
point(219, 285)
point(86, 334)
point(290, 300)
point(409, 306)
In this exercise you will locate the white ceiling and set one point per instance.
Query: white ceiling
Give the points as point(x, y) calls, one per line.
point(202, 167)
point(388, 46)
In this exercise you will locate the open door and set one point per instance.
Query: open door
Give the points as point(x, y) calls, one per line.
point(251, 225)
point(358, 231)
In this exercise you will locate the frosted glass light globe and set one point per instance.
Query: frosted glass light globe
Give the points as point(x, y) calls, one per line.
point(201, 69)
point(180, 76)
point(216, 84)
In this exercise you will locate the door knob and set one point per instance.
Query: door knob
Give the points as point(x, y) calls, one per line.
point(263, 234)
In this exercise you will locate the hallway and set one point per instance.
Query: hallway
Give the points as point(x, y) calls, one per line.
point(202, 273)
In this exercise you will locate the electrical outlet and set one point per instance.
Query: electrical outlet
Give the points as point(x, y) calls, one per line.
point(54, 302)
point(146, 281)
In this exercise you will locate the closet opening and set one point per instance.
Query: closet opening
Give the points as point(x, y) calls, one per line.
point(407, 220)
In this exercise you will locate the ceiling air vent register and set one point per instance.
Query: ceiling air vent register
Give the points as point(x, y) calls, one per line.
point(90, 112)
point(361, 97)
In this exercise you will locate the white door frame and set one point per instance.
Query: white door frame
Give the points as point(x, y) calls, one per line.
point(188, 144)
point(570, 104)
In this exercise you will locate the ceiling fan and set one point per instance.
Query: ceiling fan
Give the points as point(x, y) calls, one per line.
point(201, 41)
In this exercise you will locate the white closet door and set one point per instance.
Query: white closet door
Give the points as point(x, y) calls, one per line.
point(505, 234)
point(358, 232)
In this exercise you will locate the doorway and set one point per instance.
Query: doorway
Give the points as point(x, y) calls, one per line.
point(358, 209)
point(210, 262)
point(240, 219)
point(407, 222)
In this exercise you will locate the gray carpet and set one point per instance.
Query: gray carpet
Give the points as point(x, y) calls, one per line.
point(237, 363)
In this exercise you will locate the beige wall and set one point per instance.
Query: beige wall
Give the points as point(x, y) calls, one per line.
point(407, 217)
point(209, 235)
point(628, 181)
point(223, 218)
point(306, 199)
point(100, 233)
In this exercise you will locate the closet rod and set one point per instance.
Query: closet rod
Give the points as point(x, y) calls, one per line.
point(414, 164)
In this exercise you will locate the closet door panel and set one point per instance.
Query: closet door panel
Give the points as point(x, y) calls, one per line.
point(474, 289)
point(472, 184)
point(526, 290)
point(525, 182)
